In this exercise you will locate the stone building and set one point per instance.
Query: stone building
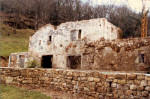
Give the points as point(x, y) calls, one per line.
point(87, 44)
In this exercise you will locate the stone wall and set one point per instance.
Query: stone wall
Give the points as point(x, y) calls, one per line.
point(18, 60)
point(66, 39)
point(118, 55)
point(89, 84)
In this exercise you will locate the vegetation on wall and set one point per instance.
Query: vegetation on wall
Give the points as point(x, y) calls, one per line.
point(33, 64)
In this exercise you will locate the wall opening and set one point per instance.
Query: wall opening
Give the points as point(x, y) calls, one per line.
point(79, 35)
point(74, 62)
point(50, 38)
point(141, 58)
point(47, 61)
point(21, 60)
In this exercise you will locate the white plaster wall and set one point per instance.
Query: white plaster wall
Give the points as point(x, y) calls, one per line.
point(43, 36)
point(61, 44)
point(59, 61)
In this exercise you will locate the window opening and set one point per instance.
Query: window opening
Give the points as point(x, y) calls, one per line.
point(141, 58)
point(79, 35)
point(50, 38)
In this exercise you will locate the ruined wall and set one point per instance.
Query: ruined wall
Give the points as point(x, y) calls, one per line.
point(18, 60)
point(66, 33)
point(120, 55)
point(89, 84)
point(66, 39)
point(3, 61)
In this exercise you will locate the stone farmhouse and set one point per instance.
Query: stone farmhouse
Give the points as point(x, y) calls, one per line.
point(89, 44)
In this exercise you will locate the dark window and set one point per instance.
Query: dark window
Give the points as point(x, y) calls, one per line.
point(47, 61)
point(141, 58)
point(79, 35)
point(74, 62)
point(50, 38)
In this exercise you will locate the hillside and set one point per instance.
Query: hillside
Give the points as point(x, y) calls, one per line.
point(11, 41)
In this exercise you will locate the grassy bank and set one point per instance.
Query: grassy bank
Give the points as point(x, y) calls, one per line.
point(9, 92)
point(11, 41)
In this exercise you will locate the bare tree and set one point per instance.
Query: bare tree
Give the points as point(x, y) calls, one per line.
point(35, 13)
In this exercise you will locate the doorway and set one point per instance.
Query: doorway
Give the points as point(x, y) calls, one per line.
point(74, 62)
point(47, 61)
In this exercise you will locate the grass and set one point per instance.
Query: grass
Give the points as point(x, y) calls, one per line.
point(15, 42)
point(9, 92)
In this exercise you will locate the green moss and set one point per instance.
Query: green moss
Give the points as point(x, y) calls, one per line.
point(15, 42)
point(9, 92)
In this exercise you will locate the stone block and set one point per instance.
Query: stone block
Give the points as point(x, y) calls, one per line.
point(133, 87)
point(131, 76)
point(82, 74)
point(114, 85)
point(86, 89)
point(121, 82)
point(90, 79)
point(9, 80)
point(143, 83)
point(140, 88)
point(148, 83)
point(140, 77)
point(147, 88)
point(96, 79)
point(120, 76)
point(145, 93)
point(129, 92)
point(147, 78)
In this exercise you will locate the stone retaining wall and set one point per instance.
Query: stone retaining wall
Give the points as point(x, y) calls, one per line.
point(90, 84)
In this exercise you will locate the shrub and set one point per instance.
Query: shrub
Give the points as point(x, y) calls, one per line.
point(33, 64)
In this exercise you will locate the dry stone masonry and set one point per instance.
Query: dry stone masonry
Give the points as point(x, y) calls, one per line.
point(118, 55)
point(88, 84)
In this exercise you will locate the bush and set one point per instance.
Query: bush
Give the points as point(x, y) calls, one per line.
point(33, 64)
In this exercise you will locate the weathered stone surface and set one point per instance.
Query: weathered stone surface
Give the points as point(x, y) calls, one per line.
point(96, 79)
point(81, 83)
point(133, 87)
point(9, 80)
point(131, 76)
point(140, 77)
point(108, 55)
point(147, 88)
point(120, 76)
point(96, 40)
point(145, 93)
point(122, 81)
point(147, 78)
point(143, 83)
point(149, 83)
point(114, 85)
point(90, 79)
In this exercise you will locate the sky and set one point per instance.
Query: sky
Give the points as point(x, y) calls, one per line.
point(135, 5)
